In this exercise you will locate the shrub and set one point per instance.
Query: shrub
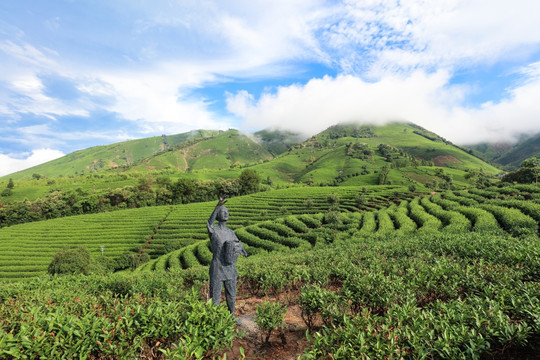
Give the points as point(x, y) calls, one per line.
point(70, 261)
point(385, 222)
point(269, 317)
point(512, 220)
point(6, 192)
point(296, 225)
point(131, 260)
point(314, 300)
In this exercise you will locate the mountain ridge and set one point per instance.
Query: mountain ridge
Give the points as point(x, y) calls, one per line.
point(344, 153)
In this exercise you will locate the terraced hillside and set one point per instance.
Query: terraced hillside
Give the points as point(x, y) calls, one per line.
point(452, 275)
point(27, 249)
point(509, 210)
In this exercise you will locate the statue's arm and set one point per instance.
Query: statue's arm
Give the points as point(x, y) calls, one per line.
point(211, 223)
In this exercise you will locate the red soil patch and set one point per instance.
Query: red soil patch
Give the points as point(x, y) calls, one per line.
point(443, 159)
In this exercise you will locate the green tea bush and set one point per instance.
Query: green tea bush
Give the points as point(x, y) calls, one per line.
point(117, 318)
point(162, 262)
point(400, 218)
point(460, 199)
point(189, 258)
point(512, 220)
point(452, 221)
point(296, 225)
point(426, 222)
point(270, 317)
point(255, 241)
point(385, 223)
point(317, 302)
point(482, 220)
point(279, 228)
point(203, 253)
point(369, 225)
point(70, 261)
point(310, 221)
point(173, 260)
point(529, 208)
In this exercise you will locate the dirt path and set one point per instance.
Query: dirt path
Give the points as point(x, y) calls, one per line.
point(185, 161)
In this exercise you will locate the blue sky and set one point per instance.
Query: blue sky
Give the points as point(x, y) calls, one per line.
point(81, 73)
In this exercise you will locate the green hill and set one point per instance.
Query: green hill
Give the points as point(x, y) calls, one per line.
point(206, 150)
point(398, 153)
point(508, 155)
point(223, 151)
point(355, 154)
point(521, 151)
point(115, 156)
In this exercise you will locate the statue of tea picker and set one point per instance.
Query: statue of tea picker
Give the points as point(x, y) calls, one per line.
point(225, 248)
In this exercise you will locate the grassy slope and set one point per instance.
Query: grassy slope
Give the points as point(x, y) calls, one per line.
point(322, 165)
point(220, 155)
point(100, 158)
point(223, 151)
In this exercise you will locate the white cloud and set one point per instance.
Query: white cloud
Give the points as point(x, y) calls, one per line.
point(377, 38)
point(408, 50)
point(156, 100)
point(11, 163)
point(425, 99)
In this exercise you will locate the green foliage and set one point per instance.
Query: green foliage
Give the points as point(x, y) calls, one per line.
point(384, 222)
point(512, 220)
point(348, 130)
point(270, 317)
point(359, 151)
point(130, 260)
point(383, 175)
point(81, 318)
point(317, 302)
point(452, 221)
point(333, 199)
point(249, 181)
point(425, 221)
point(6, 192)
point(382, 290)
point(296, 224)
point(70, 261)
point(400, 217)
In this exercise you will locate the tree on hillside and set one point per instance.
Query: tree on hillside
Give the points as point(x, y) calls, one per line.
point(10, 184)
point(477, 177)
point(249, 181)
point(534, 165)
point(383, 175)
point(145, 184)
point(184, 190)
point(527, 174)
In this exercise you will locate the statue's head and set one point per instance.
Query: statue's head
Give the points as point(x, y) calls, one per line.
point(223, 214)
